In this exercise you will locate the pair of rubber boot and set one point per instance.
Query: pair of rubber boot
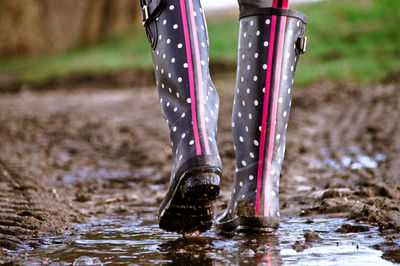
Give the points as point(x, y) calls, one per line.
point(270, 42)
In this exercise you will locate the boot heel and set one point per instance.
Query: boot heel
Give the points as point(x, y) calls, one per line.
point(249, 225)
point(201, 187)
point(191, 205)
point(261, 225)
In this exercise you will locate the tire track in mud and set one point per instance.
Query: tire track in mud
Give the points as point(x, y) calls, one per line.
point(9, 204)
point(21, 216)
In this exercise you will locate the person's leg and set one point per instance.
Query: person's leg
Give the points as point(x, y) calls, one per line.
point(243, 4)
point(189, 102)
point(270, 42)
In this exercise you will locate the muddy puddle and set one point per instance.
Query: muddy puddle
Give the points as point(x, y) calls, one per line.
point(127, 240)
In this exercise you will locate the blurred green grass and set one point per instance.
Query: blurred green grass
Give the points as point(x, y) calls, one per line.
point(352, 41)
point(349, 40)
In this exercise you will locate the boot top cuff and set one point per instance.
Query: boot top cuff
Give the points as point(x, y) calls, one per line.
point(269, 11)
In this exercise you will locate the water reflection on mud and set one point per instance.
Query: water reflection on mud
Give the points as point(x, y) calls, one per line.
point(349, 158)
point(114, 175)
point(211, 250)
point(124, 240)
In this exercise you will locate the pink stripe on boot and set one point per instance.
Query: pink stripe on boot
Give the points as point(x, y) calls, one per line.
point(191, 78)
point(199, 77)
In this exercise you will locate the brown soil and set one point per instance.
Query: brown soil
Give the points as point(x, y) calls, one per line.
point(66, 157)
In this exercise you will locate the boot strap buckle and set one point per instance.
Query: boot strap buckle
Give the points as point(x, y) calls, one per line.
point(145, 14)
point(302, 44)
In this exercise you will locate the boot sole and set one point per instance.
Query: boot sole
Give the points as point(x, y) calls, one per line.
point(249, 225)
point(191, 208)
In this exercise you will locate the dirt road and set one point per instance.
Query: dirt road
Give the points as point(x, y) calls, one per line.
point(68, 155)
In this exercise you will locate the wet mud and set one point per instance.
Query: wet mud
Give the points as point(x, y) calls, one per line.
point(67, 157)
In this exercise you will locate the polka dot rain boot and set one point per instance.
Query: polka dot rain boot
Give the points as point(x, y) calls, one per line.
point(270, 42)
point(177, 33)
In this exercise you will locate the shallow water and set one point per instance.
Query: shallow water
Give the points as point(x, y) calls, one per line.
point(102, 174)
point(350, 158)
point(125, 240)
